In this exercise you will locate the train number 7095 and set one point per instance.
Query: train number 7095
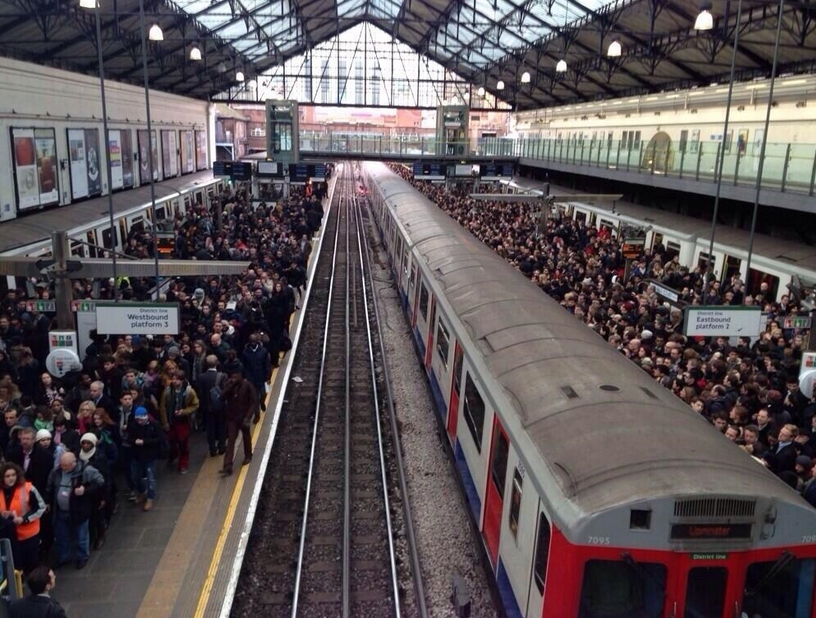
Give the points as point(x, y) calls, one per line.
point(598, 540)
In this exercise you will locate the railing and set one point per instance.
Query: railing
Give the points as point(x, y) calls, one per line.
point(402, 146)
point(787, 167)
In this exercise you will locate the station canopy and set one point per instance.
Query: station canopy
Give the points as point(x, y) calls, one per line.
point(488, 43)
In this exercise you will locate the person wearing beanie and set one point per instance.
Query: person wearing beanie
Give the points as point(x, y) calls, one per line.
point(96, 457)
point(145, 437)
point(46, 441)
point(174, 354)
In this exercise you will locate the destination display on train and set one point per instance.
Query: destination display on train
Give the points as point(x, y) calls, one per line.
point(303, 172)
point(496, 170)
point(708, 532)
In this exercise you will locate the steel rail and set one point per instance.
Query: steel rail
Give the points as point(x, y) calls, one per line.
point(302, 544)
point(416, 566)
point(347, 438)
point(358, 219)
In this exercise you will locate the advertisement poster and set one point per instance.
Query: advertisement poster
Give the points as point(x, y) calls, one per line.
point(189, 139)
point(78, 163)
point(201, 150)
point(187, 153)
point(115, 154)
point(35, 167)
point(127, 158)
point(25, 168)
point(165, 152)
point(174, 171)
point(94, 161)
point(144, 163)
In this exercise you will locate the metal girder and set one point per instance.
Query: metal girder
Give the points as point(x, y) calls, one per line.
point(95, 268)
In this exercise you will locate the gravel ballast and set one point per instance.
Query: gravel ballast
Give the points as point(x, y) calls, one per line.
point(445, 536)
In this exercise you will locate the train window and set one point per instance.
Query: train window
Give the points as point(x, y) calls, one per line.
point(705, 591)
point(774, 591)
point(91, 236)
point(672, 249)
point(458, 357)
point(542, 552)
point(474, 412)
point(412, 278)
point(515, 503)
point(442, 343)
point(423, 301)
point(702, 261)
point(625, 588)
point(498, 466)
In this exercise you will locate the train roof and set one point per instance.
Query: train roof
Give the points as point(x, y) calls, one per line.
point(608, 434)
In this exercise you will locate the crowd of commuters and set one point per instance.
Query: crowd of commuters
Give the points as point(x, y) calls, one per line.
point(749, 390)
point(77, 449)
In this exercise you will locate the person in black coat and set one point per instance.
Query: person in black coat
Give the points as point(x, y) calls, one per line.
point(257, 366)
point(33, 458)
point(38, 604)
point(212, 413)
point(95, 457)
point(783, 457)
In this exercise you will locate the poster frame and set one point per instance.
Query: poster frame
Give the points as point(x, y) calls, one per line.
point(40, 205)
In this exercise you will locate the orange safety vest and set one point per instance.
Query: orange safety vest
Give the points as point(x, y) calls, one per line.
point(19, 504)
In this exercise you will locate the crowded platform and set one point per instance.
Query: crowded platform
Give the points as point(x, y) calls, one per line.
point(78, 449)
point(748, 391)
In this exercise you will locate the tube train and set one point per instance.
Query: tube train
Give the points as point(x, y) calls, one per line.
point(596, 492)
point(93, 224)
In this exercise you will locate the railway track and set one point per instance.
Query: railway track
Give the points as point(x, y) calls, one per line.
point(324, 541)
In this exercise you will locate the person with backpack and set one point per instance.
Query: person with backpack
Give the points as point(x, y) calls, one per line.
point(210, 387)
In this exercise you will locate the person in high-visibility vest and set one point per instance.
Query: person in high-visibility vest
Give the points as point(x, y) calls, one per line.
point(21, 506)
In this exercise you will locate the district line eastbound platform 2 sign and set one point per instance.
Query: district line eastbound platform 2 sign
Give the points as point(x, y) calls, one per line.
point(722, 321)
point(137, 319)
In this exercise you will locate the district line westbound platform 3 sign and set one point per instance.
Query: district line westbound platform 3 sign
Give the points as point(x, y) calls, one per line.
point(137, 319)
point(722, 321)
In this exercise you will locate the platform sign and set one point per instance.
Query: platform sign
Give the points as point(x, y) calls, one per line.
point(241, 171)
point(137, 319)
point(223, 169)
point(430, 171)
point(494, 171)
point(722, 321)
point(268, 169)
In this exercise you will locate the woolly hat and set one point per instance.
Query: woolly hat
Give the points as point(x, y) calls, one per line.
point(89, 437)
point(198, 294)
point(173, 350)
point(804, 461)
point(43, 434)
point(141, 411)
point(646, 334)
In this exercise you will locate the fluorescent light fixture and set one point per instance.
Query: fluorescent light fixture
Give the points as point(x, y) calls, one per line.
point(155, 33)
point(614, 50)
point(195, 54)
point(561, 67)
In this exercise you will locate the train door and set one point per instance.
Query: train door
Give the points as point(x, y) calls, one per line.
point(92, 244)
point(412, 294)
point(123, 232)
point(494, 492)
point(456, 386)
point(732, 267)
point(541, 555)
point(430, 336)
point(709, 589)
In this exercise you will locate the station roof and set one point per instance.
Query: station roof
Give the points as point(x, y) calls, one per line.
point(484, 41)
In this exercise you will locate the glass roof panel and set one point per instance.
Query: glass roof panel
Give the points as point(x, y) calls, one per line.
point(350, 8)
point(386, 8)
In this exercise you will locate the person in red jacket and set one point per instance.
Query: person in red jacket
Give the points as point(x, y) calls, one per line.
point(241, 405)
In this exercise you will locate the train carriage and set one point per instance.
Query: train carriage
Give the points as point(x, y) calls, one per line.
point(597, 493)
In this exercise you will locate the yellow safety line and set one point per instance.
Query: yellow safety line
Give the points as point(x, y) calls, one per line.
point(222, 537)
